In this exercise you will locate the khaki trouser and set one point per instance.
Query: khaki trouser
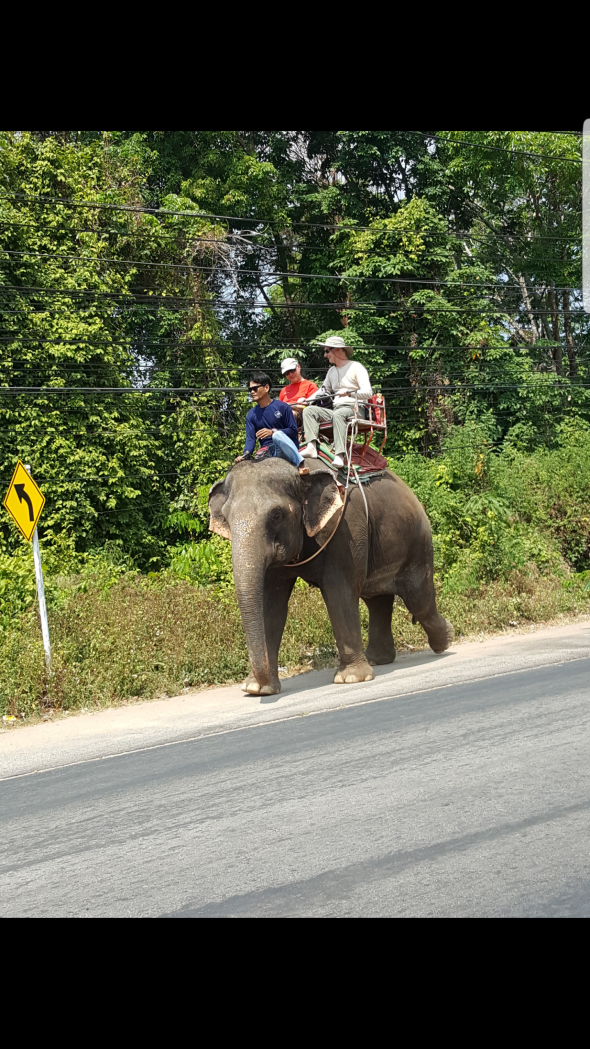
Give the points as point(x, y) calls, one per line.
point(313, 416)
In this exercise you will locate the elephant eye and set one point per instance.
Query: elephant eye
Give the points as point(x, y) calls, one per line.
point(277, 516)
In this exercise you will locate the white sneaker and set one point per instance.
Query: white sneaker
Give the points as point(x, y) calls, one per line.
point(310, 452)
point(338, 462)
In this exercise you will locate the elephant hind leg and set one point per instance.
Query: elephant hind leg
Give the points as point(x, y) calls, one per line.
point(381, 647)
point(343, 609)
point(440, 632)
point(420, 600)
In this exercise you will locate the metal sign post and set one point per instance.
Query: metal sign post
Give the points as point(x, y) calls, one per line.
point(41, 594)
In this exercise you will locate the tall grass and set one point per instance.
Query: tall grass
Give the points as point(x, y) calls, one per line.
point(139, 640)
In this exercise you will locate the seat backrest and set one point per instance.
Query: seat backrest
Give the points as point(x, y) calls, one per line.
point(377, 409)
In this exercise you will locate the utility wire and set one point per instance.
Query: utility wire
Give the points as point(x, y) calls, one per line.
point(496, 149)
point(167, 364)
point(66, 202)
point(251, 246)
point(565, 384)
point(543, 381)
point(170, 303)
point(289, 274)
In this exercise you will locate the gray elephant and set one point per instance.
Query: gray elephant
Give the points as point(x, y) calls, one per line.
point(275, 517)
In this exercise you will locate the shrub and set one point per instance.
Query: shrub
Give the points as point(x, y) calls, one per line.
point(208, 563)
point(496, 510)
point(17, 585)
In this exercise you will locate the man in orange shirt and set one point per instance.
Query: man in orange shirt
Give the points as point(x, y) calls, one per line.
point(297, 389)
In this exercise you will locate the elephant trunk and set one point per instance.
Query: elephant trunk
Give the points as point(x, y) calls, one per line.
point(250, 564)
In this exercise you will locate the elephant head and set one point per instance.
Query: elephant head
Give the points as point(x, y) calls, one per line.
point(265, 509)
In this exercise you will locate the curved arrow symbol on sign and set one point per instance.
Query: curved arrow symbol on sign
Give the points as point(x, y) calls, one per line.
point(20, 491)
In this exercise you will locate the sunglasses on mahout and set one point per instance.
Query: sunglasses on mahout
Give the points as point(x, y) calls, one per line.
point(260, 386)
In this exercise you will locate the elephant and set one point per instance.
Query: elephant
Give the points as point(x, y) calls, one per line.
point(276, 516)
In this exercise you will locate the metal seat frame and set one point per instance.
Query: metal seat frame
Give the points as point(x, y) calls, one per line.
point(356, 426)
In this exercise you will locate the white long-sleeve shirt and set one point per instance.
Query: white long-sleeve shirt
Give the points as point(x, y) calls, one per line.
point(343, 383)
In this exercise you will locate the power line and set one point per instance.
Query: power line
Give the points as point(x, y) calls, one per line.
point(66, 368)
point(66, 202)
point(564, 384)
point(497, 149)
point(129, 234)
point(342, 306)
point(92, 293)
point(110, 477)
point(133, 209)
point(67, 365)
point(118, 262)
point(539, 380)
point(264, 350)
point(277, 274)
point(206, 239)
point(97, 231)
point(487, 304)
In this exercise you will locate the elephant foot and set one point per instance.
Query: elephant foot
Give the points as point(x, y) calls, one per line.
point(254, 688)
point(352, 675)
point(440, 641)
point(378, 659)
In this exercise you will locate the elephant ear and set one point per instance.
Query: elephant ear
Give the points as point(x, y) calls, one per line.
point(322, 502)
point(217, 500)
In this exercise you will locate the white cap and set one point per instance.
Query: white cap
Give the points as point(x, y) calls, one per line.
point(288, 364)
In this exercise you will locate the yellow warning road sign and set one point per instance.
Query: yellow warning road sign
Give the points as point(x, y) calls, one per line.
point(24, 501)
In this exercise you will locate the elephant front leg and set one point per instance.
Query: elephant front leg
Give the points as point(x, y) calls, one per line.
point(276, 604)
point(343, 609)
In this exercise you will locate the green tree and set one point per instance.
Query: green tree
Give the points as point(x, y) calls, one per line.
point(95, 298)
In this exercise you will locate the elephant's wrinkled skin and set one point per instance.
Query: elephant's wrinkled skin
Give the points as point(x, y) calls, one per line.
point(274, 516)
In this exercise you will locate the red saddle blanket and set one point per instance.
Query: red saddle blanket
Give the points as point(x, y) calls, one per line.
point(366, 459)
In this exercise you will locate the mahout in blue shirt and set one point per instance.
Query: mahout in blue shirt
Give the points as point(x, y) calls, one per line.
point(276, 416)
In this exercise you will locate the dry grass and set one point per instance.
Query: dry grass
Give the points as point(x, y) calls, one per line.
point(142, 640)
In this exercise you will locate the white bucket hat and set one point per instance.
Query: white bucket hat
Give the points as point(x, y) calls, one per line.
point(288, 364)
point(336, 342)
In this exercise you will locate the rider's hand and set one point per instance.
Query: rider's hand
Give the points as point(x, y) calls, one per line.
point(265, 432)
point(238, 458)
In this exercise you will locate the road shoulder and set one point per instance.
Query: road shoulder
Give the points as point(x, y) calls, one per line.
point(120, 730)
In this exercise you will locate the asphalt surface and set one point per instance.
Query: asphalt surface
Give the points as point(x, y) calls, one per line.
point(465, 799)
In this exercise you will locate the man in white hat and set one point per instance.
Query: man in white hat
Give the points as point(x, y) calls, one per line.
point(297, 388)
point(345, 382)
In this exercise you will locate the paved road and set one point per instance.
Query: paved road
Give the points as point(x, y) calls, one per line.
point(471, 799)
